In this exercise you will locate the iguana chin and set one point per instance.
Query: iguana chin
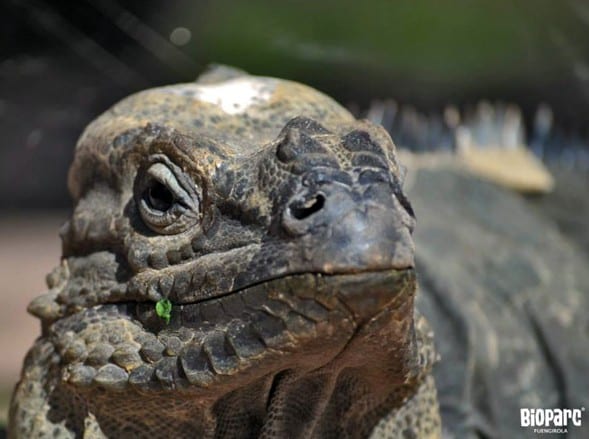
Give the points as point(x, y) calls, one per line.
point(276, 226)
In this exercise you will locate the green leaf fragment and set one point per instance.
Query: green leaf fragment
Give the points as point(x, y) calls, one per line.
point(163, 308)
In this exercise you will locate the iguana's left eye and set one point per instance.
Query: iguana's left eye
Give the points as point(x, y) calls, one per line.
point(168, 201)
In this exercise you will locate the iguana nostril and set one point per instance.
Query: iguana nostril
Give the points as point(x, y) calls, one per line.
point(304, 210)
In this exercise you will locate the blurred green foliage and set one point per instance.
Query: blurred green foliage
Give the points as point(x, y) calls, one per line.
point(426, 43)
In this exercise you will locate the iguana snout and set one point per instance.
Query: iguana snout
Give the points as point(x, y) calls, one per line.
point(350, 220)
point(337, 198)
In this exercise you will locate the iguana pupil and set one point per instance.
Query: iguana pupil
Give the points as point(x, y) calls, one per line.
point(159, 197)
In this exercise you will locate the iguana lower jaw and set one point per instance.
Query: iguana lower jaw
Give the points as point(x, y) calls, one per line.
point(297, 322)
point(300, 339)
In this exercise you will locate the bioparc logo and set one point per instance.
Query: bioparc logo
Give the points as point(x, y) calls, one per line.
point(551, 420)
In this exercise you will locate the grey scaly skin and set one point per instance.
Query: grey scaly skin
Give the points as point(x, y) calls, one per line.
point(276, 225)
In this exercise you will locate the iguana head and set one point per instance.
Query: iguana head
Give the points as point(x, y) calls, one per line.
point(271, 219)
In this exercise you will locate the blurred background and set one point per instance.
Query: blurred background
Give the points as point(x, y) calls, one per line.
point(418, 62)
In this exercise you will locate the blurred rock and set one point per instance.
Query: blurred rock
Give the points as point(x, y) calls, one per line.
point(515, 168)
point(29, 249)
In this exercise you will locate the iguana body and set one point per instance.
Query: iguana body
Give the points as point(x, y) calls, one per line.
point(507, 298)
point(275, 224)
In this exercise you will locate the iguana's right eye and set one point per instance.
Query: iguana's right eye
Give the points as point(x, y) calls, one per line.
point(168, 201)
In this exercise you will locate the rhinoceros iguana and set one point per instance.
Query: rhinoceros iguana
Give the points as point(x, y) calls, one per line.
point(240, 263)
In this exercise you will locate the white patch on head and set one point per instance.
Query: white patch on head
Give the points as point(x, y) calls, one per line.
point(233, 96)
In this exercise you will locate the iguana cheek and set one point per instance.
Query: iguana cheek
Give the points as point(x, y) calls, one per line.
point(245, 334)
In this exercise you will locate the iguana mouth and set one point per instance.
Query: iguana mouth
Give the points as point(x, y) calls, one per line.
point(298, 320)
point(324, 290)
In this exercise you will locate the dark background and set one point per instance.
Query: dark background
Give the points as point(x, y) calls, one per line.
point(64, 62)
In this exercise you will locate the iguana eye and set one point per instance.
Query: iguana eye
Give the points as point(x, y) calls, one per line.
point(168, 200)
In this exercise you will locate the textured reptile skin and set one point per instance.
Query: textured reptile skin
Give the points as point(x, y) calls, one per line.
point(275, 224)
